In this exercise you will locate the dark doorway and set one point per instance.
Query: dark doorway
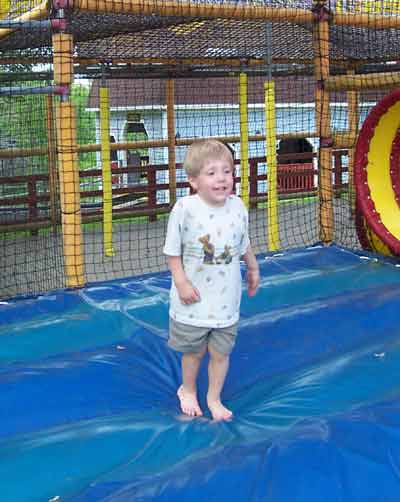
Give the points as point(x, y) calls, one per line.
point(293, 146)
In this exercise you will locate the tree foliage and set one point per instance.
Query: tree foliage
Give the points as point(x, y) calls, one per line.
point(23, 124)
point(86, 124)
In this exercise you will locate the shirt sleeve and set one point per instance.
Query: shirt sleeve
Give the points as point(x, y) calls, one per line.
point(173, 239)
point(246, 239)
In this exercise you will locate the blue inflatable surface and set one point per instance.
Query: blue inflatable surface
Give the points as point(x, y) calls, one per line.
point(88, 410)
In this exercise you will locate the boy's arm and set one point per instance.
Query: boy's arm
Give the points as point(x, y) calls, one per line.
point(253, 271)
point(187, 292)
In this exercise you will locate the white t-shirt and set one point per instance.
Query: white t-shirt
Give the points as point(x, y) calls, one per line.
point(210, 241)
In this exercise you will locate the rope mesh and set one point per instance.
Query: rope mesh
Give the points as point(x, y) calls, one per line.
point(171, 76)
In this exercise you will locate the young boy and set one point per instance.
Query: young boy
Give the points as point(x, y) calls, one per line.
point(206, 237)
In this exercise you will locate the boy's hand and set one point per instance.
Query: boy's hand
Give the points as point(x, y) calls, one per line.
point(188, 294)
point(253, 280)
point(253, 272)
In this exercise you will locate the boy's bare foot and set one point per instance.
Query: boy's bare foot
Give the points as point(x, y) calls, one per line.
point(189, 403)
point(218, 411)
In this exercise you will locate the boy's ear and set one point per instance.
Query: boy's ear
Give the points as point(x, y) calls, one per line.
point(193, 182)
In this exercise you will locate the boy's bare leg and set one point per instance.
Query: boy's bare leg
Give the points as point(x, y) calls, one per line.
point(187, 392)
point(217, 370)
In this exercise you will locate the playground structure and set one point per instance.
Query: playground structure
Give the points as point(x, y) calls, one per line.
point(99, 100)
point(152, 76)
point(377, 178)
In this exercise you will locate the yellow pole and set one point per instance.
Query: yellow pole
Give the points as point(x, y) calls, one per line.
point(69, 194)
point(67, 148)
point(106, 171)
point(272, 168)
point(244, 139)
point(4, 8)
point(171, 140)
point(63, 64)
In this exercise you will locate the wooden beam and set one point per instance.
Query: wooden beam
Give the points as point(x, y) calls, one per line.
point(12, 153)
point(373, 21)
point(360, 82)
point(228, 10)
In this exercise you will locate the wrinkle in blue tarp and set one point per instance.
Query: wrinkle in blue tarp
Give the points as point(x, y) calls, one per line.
point(88, 410)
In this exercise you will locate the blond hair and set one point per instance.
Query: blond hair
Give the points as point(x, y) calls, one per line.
point(203, 150)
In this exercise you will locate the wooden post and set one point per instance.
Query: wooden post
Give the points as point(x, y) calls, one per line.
point(171, 140)
point(323, 117)
point(69, 194)
point(68, 165)
point(52, 159)
point(63, 65)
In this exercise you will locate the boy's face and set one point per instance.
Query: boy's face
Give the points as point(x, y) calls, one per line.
point(214, 182)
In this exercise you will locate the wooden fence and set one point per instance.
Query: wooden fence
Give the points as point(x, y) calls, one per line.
point(31, 209)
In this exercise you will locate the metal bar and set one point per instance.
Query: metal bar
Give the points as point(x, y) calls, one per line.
point(39, 12)
point(28, 91)
point(26, 25)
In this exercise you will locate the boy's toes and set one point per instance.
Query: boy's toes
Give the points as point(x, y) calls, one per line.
point(189, 403)
point(219, 411)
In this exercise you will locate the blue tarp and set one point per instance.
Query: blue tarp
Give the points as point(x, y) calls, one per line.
point(88, 410)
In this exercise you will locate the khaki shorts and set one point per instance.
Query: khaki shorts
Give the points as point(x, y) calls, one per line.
point(185, 338)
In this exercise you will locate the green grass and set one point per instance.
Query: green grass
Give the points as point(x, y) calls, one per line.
point(139, 220)
point(297, 201)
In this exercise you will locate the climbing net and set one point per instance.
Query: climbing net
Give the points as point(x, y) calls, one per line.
point(100, 101)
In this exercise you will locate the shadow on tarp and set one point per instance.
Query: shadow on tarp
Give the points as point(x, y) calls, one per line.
point(88, 408)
